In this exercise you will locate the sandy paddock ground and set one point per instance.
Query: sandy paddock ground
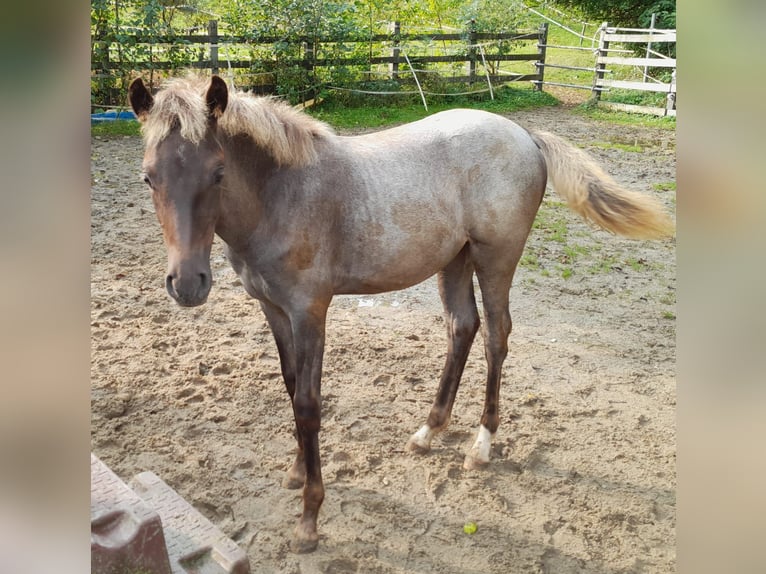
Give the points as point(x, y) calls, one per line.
point(582, 477)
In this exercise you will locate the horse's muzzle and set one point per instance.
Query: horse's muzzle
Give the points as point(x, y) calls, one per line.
point(189, 290)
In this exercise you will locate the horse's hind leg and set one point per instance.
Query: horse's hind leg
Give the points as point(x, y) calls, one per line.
point(280, 328)
point(462, 318)
point(495, 275)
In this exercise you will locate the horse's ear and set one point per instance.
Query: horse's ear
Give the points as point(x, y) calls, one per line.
point(140, 99)
point(217, 97)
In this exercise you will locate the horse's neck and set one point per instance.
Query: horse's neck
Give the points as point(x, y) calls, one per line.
point(248, 169)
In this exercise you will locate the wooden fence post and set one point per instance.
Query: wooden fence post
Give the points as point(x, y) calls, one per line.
point(671, 99)
point(649, 46)
point(472, 39)
point(603, 51)
point(212, 30)
point(103, 73)
point(395, 53)
point(541, 45)
point(309, 58)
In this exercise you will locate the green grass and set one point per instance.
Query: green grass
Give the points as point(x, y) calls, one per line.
point(551, 221)
point(664, 186)
point(604, 265)
point(669, 299)
point(367, 116)
point(622, 96)
point(620, 146)
point(636, 264)
point(116, 128)
point(593, 111)
point(530, 261)
point(573, 252)
point(375, 112)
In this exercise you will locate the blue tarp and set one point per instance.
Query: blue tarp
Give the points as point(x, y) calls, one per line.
point(111, 116)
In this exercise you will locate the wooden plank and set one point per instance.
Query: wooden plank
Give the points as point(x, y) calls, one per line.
point(308, 103)
point(651, 62)
point(364, 60)
point(585, 48)
point(579, 87)
point(265, 40)
point(643, 86)
point(510, 57)
point(322, 62)
point(502, 78)
point(651, 110)
point(507, 36)
point(436, 37)
point(496, 80)
point(562, 67)
point(660, 36)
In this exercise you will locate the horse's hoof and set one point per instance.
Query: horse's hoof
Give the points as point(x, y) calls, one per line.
point(417, 447)
point(304, 542)
point(473, 463)
point(295, 477)
point(477, 456)
point(420, 442)
point(293, 482)
point(303, 546)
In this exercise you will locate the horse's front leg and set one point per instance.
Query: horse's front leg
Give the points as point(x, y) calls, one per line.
point(283, 336)
point(308, 327)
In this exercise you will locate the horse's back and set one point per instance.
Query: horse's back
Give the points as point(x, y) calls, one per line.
point(418, 193)
point(494, 165)
point(460, 142)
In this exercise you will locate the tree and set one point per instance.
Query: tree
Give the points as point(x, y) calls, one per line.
point(628, 13)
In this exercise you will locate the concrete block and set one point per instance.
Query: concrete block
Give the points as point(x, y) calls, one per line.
point(126, 535)
point(195, 545)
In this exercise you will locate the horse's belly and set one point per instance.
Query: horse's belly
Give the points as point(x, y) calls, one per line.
point(378, 269)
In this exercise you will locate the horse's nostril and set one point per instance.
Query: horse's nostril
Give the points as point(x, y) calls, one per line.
point(189, 290)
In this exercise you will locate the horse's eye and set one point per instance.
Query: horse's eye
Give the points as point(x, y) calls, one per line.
point(146, 179)
point(218, 175)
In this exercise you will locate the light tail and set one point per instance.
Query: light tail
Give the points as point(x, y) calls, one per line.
point(596, 196)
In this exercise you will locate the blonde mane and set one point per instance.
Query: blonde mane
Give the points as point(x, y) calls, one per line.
point(287, 134)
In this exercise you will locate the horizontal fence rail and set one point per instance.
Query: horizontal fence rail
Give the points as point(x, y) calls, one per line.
point(395, 56)
point(607, 38)
point(618, 65)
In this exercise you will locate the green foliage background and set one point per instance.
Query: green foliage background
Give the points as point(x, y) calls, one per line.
point(297, 25)
point(627, 13)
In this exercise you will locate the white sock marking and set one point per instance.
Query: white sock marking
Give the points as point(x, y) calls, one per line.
point(423, 437)
point(480, 448)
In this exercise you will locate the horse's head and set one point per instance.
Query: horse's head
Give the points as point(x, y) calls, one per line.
point(183, 166)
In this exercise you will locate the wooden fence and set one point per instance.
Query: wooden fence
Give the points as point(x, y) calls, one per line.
point(616, 56)
point(651, 37)
point(401, 56)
